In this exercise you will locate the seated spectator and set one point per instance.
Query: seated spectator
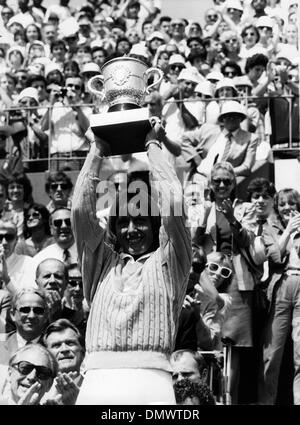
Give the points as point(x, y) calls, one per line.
point(52, 278)
point(20, 198)
point(66, 344)
point(17, 272)
point(31, 371)
point(188, 393)
point(63, 248)
point(58, 187)
point(73, 307)
point(209, 142)
point(29, 313)
point(37, 231)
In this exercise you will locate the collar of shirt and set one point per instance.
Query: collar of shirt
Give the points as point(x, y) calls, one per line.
point(234, 133)
point(128, 258)
point(22, 342)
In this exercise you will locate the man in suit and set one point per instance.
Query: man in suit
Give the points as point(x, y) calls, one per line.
point(210, 143)
point(30, 315)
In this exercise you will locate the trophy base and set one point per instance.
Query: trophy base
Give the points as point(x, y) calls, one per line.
point(125, 131)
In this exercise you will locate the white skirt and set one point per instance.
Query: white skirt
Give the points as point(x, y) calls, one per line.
point(126, 386)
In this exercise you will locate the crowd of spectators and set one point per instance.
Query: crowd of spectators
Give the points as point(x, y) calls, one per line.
point(102, 307)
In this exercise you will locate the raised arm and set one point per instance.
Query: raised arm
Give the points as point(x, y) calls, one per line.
point(175, 239)
point(93, 253)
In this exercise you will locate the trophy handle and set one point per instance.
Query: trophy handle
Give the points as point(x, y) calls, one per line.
point(92, 86)
point(153, 71)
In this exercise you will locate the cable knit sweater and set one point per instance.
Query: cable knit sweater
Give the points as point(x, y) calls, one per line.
point(135, 305)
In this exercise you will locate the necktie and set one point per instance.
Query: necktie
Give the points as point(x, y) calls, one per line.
point(260, 222)
point(227, 146)
point(67, 257)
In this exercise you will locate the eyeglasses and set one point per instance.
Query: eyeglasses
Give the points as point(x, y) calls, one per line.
point(212, 16)
point(9, 237)
point(177, 25)
point(264, 28)
point(231, 40)
point(174, 67)
point(34, 214)
point(225, 272)
point(75, 281)
point(76, 86)
point(63, 186)
point(58, 222)
point(39, 311)
point(25, 368)
point(226, 182)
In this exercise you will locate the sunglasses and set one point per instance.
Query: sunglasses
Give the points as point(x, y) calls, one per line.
point(75, 282)
point(34, 215)
point(264, 28)
point(231, 40)
point(63, 186)
point(225, 272)
point(76, 86)
point(58, 222)
point(39, 311)
point(212, 16)
point(226, 182)
point(177, 25)
point(9, 237)
point(174, 67)
point(25, 368)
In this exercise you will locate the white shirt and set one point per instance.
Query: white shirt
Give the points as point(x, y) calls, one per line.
point(21, 271)
point(55, 251)
point(214, 154)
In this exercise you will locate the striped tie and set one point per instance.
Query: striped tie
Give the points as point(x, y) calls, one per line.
point(227, 147)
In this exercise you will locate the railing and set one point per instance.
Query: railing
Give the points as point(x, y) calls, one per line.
point(291, 144)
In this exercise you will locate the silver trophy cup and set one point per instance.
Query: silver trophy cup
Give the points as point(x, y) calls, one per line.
point(123, 86)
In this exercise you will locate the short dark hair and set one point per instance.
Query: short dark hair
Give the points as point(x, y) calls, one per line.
point(185, 388)
point(255, 60)
point(57, 43)
point(234, 65)
point(61, 325)
point(247, 27)
point(261, 185)
point(164, 19)
point(24, 181)
point(57, 176)
point(32, 78)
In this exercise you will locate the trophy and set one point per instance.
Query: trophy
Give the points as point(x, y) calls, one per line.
point(123, 85)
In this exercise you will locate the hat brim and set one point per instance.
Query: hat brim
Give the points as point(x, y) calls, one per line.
point(243, 116)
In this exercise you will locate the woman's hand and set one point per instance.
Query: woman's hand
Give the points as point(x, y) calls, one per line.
point(31, 396)
point(294, 222)
point(190, 302)
point(157, 132)
point(227, 209)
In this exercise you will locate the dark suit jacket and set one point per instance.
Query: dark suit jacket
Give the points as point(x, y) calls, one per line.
point(196, 144)
point(5, 304)
point(9, 346)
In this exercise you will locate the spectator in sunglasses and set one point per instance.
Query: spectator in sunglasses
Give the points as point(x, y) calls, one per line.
point(36, 231)
point(250, 37)
point(231, 47)
point(58, 187)
point(29, 313)
point(31, 372)
point(63, 248)
point(73, 307)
